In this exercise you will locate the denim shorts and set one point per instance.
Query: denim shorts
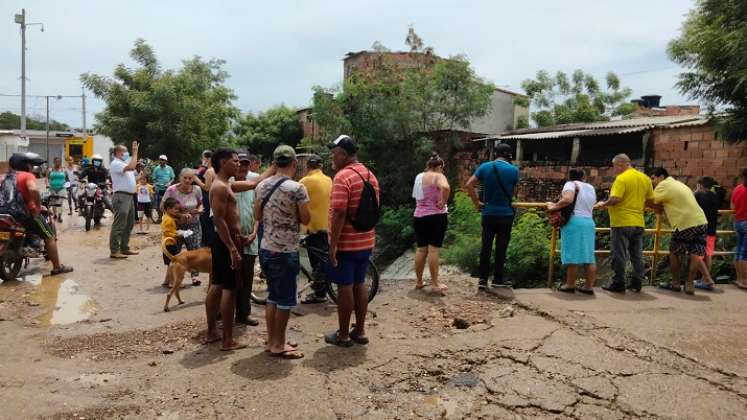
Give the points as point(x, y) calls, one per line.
point(351, 267)
point(741, 252)
point(281, 270)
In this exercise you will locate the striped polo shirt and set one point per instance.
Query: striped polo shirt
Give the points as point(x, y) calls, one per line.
point(346, 194)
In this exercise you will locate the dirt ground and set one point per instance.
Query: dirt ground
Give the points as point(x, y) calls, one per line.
point(96, 344)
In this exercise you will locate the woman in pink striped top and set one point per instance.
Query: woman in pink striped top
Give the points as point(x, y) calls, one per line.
point(431, 192)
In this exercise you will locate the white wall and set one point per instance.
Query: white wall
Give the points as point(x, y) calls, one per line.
point(102, 145)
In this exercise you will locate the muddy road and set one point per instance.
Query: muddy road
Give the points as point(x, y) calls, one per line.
point(96, 344)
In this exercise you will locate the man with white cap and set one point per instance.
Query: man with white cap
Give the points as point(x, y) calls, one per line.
point(163, 176)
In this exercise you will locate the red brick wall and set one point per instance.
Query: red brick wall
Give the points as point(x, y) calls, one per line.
point(310, 128)
point(690, 152)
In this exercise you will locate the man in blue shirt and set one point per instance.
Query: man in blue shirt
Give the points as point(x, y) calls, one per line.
point(498, 179)
point(163, 176)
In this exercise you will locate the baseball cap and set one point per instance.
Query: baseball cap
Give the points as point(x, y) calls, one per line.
point(503, 150)
point(314, 159)
point(243, 157)
point(284, 152)
point(345, 142)
point(163, 157)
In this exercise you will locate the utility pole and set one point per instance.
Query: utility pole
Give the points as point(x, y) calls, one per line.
point(47, 98)
point(83, 99)
point(21, 20)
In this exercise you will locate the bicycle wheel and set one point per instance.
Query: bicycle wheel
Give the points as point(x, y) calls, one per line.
point(259, 290)
point(372, 283)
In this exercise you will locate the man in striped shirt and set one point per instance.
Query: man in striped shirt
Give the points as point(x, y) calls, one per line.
point(349, 249)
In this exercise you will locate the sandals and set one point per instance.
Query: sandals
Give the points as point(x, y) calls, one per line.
point(334, 339)
point(358, 339)
point(585, 291)
point(288, 354)
point(62, 269)
point(702, 285)
point(566, 289)
point(196, 282)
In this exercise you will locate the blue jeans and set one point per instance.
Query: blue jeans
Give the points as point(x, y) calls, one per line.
point(281, 269)
point(741, 252)
point(351, 267)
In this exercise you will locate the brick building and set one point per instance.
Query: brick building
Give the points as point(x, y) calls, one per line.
point(686, 145)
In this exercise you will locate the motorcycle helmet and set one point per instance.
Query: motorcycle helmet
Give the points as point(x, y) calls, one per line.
point(97, 160)
point(20, 161)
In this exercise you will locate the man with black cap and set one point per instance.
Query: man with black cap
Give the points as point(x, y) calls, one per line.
point(349, 248)
point(319, 187)
point(498, 179)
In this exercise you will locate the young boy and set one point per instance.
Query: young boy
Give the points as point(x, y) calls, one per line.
point(168, 230)
point(144, 193)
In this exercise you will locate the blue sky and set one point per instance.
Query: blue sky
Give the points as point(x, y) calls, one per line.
point(276, 51)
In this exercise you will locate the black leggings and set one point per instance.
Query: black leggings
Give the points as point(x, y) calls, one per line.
point(498, 229)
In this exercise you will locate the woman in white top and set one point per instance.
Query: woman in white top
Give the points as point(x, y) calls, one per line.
point(578, 235)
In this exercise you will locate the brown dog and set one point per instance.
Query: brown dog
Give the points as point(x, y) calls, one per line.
point(195, 260)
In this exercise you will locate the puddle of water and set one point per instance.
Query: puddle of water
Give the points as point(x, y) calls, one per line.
point(66, 305)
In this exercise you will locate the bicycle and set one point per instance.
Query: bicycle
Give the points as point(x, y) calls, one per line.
point(306, 278)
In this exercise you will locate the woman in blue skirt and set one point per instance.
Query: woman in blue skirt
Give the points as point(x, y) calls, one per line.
point(578, 235)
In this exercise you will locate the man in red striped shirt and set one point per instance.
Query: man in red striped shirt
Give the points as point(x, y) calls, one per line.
point(349, 249)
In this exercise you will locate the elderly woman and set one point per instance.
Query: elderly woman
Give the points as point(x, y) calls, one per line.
point(189, 197)
point(577, 236)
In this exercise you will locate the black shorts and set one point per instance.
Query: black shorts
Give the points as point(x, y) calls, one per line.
point(144, 207)
point(223, 275)
point(39, 226)
point(173, 249)
point(430, 230)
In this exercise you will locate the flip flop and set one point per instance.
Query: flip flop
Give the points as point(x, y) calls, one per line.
point(334, 339)
point(585, 291)
point(289, 342)
point(235, 346)
point(62, 270)
point(670, 287)
point(419, 286)
point(360, 340)
point(702, 285)
point(740, 285)
point(288, 355)
point(196, 282)
point(567, 289)
point(211, 340)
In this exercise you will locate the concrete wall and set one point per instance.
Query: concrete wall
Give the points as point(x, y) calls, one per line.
point(501, 116)
point(102, 145)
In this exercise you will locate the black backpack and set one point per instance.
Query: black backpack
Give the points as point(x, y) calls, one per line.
point(11, 200)
point(367, 214)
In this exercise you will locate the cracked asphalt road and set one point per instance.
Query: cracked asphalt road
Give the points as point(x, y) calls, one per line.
point(655, 355)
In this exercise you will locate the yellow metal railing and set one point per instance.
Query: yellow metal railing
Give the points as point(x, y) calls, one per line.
point(657, 231)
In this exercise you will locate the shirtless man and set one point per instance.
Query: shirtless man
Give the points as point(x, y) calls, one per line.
point(225, 248)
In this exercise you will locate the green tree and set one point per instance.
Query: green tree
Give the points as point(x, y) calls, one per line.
point(397, 111)
point(11, 121)
point(175, 112)
point(263, 132)
point(713, 48)
point(576, 99)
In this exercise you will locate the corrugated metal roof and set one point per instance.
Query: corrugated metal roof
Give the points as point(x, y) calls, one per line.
point(604, 128)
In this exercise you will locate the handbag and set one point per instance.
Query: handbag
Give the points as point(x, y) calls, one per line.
point(560, 217)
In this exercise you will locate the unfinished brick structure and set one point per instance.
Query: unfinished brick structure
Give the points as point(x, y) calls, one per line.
point(686, 146)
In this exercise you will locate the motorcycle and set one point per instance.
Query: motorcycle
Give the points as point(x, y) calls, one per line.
point(54, 200)
point(91, 204)
point(18, 245)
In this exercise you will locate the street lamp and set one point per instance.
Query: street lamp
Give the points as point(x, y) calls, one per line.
point(21, 20)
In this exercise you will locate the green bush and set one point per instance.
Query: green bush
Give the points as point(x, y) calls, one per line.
point(528, 251)
point(395, 233)
point(527, 256)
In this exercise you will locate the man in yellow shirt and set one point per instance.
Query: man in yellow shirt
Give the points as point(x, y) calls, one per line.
point(629, 194)
point(690, 229)
point(319, 187)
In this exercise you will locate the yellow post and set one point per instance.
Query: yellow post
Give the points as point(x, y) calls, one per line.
point(657, 234)
point(551, 263)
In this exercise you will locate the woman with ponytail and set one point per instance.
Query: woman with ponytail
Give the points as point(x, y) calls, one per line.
point(431, 192)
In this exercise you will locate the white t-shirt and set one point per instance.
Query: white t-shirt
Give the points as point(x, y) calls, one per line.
point(587, 197)
point(122, 180)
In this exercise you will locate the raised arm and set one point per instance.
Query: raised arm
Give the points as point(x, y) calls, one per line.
point(241, 186)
